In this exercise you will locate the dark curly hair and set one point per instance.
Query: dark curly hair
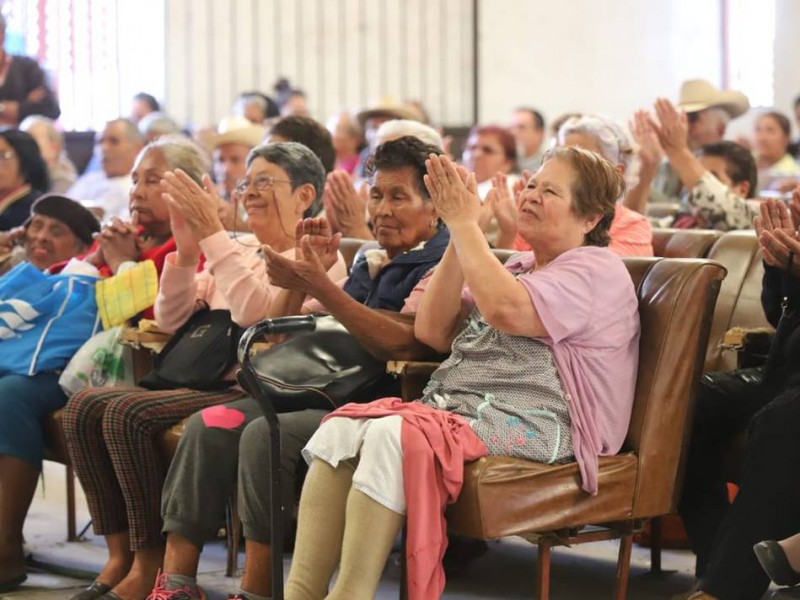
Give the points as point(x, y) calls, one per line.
point(311, 134)
point(31, 164)
point(406, 151)
point(739, 163)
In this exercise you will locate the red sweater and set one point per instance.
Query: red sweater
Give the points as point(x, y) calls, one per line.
point(436, 443)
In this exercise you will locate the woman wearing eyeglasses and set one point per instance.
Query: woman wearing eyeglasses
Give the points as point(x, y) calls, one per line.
point(23, 177)
point(490, 150)
point(112, 433)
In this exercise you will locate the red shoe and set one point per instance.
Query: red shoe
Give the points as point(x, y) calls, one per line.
point(187, 592)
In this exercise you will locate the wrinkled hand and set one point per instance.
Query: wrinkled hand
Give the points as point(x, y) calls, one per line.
point(776, 234)
point(198, 206)
point(794, 208)
point(673, 126)
point(501, 205)
point(10, 238)
point(453, 191)
point(650, 150)
point(520, 185)
point(322, 240)
point(787, 184)
point(119, 242)
point(348, 204)
point(187, 244)
point(305, 273)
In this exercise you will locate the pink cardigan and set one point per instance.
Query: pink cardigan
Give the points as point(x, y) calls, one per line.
point(436, 443)
point(234, 277)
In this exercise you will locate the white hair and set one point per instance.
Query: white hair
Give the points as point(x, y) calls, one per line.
point(397, 128)
point(53, 134)
point(615, 141)
point(158, 123)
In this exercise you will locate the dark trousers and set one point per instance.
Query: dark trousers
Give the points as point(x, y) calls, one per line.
point(768, 503)
point(725, 406)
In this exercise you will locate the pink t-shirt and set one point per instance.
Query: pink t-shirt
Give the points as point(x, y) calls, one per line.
point(234, 277)
point(587, 303)
point(631, 233)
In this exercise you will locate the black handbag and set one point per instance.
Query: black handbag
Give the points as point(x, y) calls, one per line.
point(324, 368)
point(198, 356)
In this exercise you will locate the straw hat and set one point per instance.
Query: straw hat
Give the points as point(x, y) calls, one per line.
point(238, 130)
point(389, 107)
point(699, 94)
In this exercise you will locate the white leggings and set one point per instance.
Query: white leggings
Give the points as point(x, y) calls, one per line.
point(376, 442)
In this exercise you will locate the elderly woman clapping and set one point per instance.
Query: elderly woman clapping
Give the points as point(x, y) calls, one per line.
point(543, 367)
point(112, 433)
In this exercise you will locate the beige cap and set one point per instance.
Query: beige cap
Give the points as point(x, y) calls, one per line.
point(389, 107)
point(699, 94)
point(238, 130)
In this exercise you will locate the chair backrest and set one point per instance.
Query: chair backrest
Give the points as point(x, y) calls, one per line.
point(676, 302)
point(349, 248)
point(684, 243)
point(739, 303)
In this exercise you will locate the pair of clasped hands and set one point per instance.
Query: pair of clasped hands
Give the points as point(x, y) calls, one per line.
point(777, 229)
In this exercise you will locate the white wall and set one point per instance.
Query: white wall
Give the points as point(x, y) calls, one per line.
point(787, 55)
point(608, 57)
point(343, 53)
point(605, 56)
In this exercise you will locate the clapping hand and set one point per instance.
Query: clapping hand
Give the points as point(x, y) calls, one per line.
point(453, 191)
point(305, 273)
point(650, 150)
point(198, 206)
point(349, 205)
point(502, 205)
point(321, 239)
point(673, 126)
point(777, 235)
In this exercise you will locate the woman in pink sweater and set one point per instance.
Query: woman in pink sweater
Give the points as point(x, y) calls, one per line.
point(543, 367)
point(112, 434)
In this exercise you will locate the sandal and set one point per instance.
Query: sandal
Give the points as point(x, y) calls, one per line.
point(93, 592)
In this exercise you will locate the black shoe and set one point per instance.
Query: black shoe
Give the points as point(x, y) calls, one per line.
point(12, 584)
point(93, 592)
point(773, 560)
point(461, 552)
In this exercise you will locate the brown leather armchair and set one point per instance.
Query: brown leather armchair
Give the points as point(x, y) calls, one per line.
point(545, 504)
point(684, 243)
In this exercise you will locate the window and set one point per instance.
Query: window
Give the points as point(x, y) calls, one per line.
point(85, 46)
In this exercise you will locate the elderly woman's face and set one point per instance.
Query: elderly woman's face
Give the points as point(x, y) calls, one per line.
point(10, 173)
point(49, 241)
point(770, 139)
point(546, 217)
point(145, 195)
point(268, 199)
point(401, 218)
point(484, 156)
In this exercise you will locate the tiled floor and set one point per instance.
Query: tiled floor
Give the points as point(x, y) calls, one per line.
point(507, 571)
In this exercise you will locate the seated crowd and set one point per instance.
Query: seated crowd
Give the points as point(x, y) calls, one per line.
point(248, 218)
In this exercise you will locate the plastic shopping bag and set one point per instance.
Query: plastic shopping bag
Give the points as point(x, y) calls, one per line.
point(101, 361)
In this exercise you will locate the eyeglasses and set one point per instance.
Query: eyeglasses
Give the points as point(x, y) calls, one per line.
point(261, 183)
point(7, 155)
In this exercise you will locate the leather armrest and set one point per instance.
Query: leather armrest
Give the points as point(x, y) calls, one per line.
point(413, 375)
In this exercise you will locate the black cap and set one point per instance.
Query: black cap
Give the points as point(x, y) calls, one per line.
point(73, 214)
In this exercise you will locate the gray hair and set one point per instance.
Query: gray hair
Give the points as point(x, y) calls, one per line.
point(53, 134)
point(720, 115)
point(181, 153)
point(131, 130)
point(158, 123)
point(397, 128)
point(350, 122)
point(616, 142)
point(299, 162)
